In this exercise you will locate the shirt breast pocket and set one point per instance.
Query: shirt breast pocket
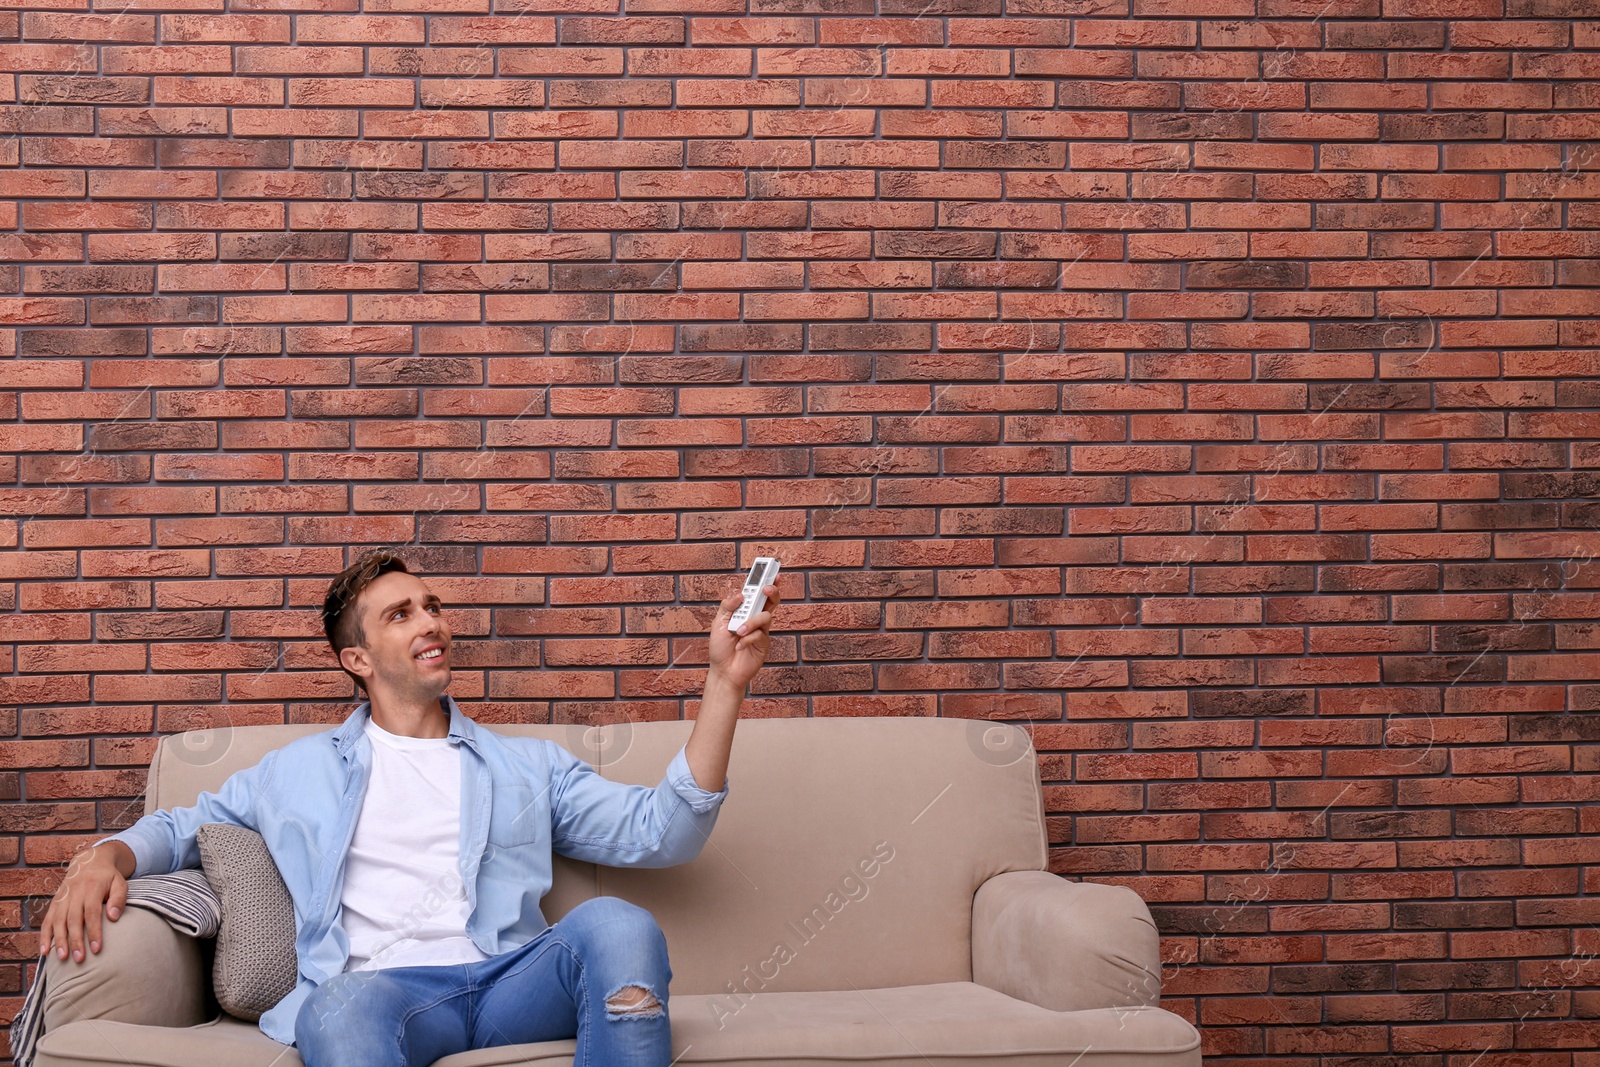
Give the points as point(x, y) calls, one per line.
point(521, 815)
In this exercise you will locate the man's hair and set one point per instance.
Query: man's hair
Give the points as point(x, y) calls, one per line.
point(341, 612)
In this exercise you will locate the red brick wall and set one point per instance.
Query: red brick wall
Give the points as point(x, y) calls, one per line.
point(1211, 383)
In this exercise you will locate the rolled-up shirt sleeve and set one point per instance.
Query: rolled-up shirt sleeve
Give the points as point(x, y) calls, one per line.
point(682, 779)
point(602, 821)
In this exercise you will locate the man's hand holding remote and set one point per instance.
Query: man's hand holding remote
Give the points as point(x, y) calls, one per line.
point(735, 657)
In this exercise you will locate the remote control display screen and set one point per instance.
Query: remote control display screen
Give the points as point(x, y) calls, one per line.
point(756, 570)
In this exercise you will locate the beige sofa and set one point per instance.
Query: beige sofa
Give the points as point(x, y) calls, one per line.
point(958, 947)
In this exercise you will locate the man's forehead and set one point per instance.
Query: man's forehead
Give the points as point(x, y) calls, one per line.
point(396, 587)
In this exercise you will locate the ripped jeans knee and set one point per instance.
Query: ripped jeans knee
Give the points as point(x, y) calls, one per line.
point(632, 1001)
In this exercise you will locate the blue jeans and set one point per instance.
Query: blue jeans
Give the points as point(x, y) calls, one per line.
point(599, 974)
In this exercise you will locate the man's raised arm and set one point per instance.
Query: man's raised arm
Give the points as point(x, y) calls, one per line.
point(734, 659)
point(602, 821)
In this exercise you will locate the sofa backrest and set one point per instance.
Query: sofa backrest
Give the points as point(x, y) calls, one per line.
point(847, 852)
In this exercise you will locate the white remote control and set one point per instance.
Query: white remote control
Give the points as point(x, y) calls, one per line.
point(763, 572)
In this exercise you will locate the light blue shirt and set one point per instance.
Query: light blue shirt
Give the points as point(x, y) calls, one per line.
point(304, 799)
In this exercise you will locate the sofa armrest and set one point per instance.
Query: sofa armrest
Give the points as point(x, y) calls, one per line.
point(145, 972)
point(1065, 945)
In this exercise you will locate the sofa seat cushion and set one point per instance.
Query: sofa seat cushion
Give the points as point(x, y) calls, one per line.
point(223, 1040)
point(955, 1023)
point(952, 1023)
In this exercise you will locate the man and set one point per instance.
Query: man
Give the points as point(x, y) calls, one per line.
point(409, 801)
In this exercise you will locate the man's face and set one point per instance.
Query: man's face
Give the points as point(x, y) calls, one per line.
point(407, 651)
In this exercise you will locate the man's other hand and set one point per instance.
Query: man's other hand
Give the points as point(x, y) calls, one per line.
point(92, 880)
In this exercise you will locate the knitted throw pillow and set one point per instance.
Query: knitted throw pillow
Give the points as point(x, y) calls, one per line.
point(255, 965)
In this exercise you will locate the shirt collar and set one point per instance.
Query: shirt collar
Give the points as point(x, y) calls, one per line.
point(461, 727)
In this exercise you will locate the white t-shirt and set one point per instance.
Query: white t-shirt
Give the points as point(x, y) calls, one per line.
point(404, 904)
